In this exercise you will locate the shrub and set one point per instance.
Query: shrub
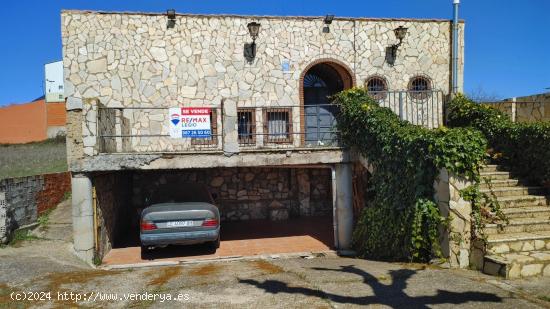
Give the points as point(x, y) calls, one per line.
point(401, 219)
point(523, 147)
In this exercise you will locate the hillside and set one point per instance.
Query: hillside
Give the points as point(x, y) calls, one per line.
point(33, 158)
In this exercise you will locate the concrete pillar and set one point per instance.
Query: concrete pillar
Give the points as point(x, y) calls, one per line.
point(83, 217)
point(344, 205)
point(230, 127)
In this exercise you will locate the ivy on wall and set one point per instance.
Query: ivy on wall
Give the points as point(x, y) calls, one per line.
point(523, 147)
point(401, 219)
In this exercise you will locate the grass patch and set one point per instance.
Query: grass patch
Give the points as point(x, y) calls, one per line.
point(20, 236)
point(49, 156)
point(545, 298)
point(44, 218)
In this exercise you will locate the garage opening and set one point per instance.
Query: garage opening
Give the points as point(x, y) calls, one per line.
point(262, 211)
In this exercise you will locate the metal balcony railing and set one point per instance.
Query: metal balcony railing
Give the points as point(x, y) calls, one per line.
point(145, 129)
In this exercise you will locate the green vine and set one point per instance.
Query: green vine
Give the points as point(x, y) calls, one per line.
point(523, 147)
point(485, 209)
point(402, 220)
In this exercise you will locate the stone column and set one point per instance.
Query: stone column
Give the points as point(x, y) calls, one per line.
point(83, 217)
point(455, 240)
point(344, 205)
point(230, 127)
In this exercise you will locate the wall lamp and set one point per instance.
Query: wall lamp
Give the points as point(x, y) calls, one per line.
point(328, 20)
point(391, 51)
point(250, 48)
point(171, 14)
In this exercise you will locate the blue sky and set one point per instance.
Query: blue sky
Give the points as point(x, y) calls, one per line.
point(507, 42)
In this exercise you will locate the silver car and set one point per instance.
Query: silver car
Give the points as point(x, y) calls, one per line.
point(180, 217)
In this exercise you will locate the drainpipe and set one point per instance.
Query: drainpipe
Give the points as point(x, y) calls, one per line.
point(456, 3)
point(334, 212)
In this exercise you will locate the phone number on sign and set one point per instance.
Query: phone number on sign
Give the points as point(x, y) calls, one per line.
point(94, 296)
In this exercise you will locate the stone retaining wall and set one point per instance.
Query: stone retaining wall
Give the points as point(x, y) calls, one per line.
point(526, 109)
point(25, 198)
point(249, 193)
point(114, 213)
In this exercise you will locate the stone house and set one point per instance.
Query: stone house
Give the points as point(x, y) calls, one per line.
point(272, 149)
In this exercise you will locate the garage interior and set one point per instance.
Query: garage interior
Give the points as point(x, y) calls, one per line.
point(264, 210)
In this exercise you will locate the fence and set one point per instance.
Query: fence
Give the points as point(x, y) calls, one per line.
point(423, 108)
point(144, 129)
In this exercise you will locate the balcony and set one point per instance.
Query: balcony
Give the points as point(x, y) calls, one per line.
point(236, 128)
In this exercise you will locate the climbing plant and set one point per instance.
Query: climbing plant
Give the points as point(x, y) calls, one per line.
point(523, 147)
point(401, 220)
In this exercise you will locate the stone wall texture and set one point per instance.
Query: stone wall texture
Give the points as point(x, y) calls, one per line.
point(248, 193)
point(125, 59)
point(526, 109)
point(456, 238)
point(114, 212)
point(26, 198)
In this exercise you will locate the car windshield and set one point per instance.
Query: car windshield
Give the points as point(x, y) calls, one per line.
point(181, 194)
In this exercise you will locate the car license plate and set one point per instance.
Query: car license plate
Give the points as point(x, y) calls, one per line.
point(179, 223)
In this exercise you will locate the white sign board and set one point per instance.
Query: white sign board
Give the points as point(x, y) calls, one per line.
point(191, 122)
point(53, 83)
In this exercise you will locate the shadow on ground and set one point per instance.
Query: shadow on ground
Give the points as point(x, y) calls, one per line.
point(392, 295)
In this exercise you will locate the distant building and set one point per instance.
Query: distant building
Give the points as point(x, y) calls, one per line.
point(32, 122)
point(53, 82)
point(39, 119)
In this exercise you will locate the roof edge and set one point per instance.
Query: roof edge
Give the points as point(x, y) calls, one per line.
point(259, 16)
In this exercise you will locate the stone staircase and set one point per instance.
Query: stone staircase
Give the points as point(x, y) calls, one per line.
point(520, 248)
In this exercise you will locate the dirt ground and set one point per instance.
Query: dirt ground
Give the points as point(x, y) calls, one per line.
point(45, 274)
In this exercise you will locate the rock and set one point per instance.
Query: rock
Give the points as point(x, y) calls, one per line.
point(217, 182)
point(249, 177)
point(531, 270)
point(97, 66)
point(158, 53)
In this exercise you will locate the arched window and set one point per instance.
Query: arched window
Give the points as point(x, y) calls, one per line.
point(377, 87)
point(420, 87)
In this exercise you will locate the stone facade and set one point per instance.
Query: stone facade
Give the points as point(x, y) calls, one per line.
point(249, 193)
point(26, 198)
point(125, 59)
point(455, 241)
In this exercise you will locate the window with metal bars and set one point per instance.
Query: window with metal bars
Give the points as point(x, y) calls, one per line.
point(278, 125)
point(419, 87)
point(246, 126)
point(377, 87)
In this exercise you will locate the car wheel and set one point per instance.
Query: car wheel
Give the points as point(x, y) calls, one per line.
point(215, 244)
point(145, 250)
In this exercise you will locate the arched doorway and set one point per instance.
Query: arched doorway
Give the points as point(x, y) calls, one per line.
point(320, 81)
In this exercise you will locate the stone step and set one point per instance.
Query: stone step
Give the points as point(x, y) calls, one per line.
point(518, 265)
point(495, 175)
point(499, 183)
point(527, 212)
point(518, 225)
point(514, 191)
point(518, 242)
point(522, 201)
point(491, 168)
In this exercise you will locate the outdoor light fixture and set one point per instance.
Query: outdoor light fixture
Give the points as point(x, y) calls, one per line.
point(171, 14)
point(250, 48)
point(391, 51)
point(328, 20)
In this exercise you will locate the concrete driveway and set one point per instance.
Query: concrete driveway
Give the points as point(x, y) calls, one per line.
point(321, 282)
point(47, 266)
